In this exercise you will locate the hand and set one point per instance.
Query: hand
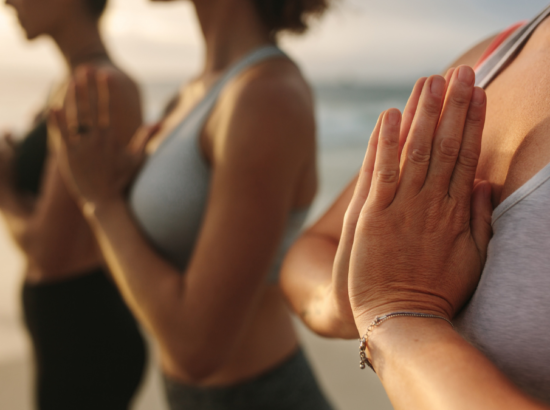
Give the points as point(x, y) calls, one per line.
point(341, 265)
point(95, 165)
point(423, 230)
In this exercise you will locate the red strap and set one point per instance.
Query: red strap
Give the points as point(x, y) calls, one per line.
point(497, 42)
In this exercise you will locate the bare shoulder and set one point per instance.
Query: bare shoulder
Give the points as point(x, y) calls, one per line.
point(271, 90)
point(472, 56)
point(272, 104)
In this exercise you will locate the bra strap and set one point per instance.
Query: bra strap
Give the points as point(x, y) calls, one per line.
point(507, 50)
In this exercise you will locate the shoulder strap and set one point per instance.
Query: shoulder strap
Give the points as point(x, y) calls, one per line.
point(199, 114)
point(203, 108)
point(255, 57)
point(497, 42)
point(508, 50)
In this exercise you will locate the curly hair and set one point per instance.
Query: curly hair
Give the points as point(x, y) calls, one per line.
point(96, 7)
point(290, 15)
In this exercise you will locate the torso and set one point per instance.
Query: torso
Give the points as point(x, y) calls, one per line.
point(508, 315)
point(67, 247)
point(270, 337)
point(518, 107)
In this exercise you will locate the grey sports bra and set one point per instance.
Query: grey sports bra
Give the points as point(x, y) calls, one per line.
point(169, 196)
point(507, 318)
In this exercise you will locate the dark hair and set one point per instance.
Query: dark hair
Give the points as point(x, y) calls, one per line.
point(96, 7)
point(290, 15)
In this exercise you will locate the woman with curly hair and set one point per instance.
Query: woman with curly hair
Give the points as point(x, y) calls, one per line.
point(226, 185)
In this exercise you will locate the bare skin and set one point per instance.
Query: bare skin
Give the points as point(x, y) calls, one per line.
point(424, 364)
point(514, 149)
point(50, 230)
point(219, 322)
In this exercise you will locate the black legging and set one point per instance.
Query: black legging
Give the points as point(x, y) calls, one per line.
point(89, 352)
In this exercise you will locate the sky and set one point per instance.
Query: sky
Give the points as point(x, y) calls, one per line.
point(357, 41)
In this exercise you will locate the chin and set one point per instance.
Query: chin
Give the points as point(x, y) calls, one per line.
point(30, 34)
point(33, 36)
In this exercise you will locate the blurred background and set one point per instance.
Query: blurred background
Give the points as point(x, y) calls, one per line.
point(362, 58)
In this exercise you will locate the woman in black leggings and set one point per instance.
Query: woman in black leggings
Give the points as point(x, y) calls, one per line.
point(88, 349)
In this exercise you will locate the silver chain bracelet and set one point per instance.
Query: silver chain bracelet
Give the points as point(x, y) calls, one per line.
point(364, 361)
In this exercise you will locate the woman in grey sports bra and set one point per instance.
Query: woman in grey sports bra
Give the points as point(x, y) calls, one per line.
point(416, 236)
point(224, 190)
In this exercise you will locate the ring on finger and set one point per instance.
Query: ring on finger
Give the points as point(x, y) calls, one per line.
point(83, 129)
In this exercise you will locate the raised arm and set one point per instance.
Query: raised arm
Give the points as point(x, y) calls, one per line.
point(312, 267)
point(419, 247)
point(256, 163)
point(314, 274)
point(35, 223)
point(306, 275)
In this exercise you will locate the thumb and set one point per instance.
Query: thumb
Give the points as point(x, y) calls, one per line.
point(482, 211)
point(139, 141)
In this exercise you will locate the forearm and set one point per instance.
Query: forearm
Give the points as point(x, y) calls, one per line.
point(307, 282)
point(151, 286)
point(180, 313)
point(424, 364)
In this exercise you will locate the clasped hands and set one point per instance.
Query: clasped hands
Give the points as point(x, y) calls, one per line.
point(416, 232)
point(96, 164)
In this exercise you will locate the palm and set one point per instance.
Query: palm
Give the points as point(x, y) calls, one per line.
point(96, 165)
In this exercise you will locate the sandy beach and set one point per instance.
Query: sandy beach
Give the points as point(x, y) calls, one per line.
point(335, 362)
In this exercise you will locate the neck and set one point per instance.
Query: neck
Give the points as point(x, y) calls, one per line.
point(80, 42)
point(231, 29)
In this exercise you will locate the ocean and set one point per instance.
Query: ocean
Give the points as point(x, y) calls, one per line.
point(346, 115)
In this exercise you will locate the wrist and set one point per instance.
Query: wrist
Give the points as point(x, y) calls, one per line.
point(341, 322)
point(403, 337)
point(365, 317)
point(97, 210)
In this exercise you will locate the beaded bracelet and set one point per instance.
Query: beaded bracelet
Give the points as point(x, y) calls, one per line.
point(381, 319)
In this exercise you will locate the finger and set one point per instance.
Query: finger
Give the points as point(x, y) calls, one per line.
point(63, 140)
point(70, 107)
point(84, 94)
point(351, 217)
point(58, 120)
point(463, 176)
point(448, 137)
point(419, 143)
point(140, 139)
point(481, 211)
point(103, 100)
point(410, 111)
point(364, 181)
point(386, 167)
point(448, 77)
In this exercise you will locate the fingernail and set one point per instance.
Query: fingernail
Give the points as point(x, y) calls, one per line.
point(478, 97)
point(438, 86)
point(393, 117)
point(466, 75)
